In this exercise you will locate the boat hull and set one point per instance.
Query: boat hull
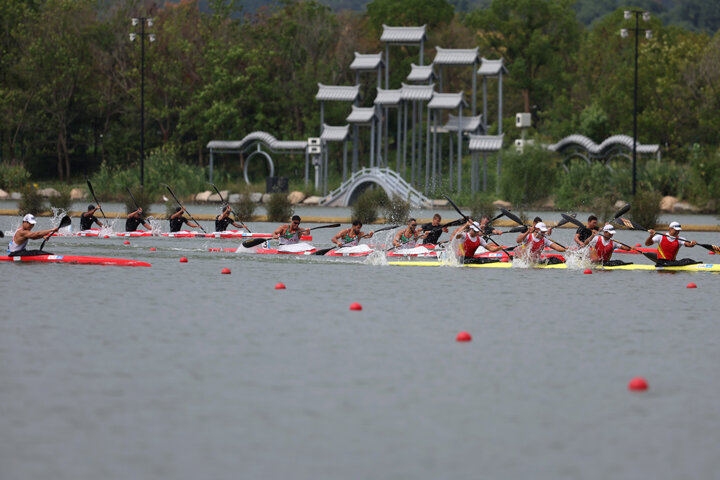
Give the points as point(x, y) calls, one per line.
point(76, 259)
point(700, 267)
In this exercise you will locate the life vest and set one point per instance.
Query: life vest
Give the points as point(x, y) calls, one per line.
point(289, 238)
point(668, 249)
point(406, 242)
point(469, 245)
point(537, 244)
point(350, 241)
point(603, 251)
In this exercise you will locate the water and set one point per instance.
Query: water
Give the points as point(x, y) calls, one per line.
point(179, 372)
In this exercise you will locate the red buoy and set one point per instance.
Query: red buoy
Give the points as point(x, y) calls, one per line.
point(152, 249)
point(463, 337)
point(638, 245)
point(106, 236)
point(127, 242)
point(638, 384)
point(225, 271)
point(280, 286)
point(355, 306)
point(691, 285)
point(183, 260)
point(587, 271)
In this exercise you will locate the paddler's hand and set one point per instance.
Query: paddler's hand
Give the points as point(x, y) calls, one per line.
point(306, 231)
point(651, 232)
point(369, 234)
point(692, 243)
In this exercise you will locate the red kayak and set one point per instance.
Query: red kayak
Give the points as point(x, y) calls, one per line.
point(78, 260)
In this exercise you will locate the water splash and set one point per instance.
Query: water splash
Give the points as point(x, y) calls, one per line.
point(578, 258)
point(155, 224)
point(450, 255)
point(378, 255)
point(57, 215)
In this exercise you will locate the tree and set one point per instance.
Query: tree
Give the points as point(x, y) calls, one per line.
point(409, 13)
point(537, 38)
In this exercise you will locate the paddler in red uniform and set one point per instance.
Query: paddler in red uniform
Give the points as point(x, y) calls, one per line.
point(470, 235)
point(350, 237)
point(290, 234)
point(602, 245)
point(668, 245)
point(534, 240)
point(18, 244)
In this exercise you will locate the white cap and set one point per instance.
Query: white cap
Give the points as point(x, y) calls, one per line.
point(474, 227)
point(541, 226)
point(675, 226)
point(609, 228)
point(30, 218)
point(476, 224)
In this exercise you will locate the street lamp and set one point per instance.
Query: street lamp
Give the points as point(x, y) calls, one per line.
point(624, 33)
point(142, 21)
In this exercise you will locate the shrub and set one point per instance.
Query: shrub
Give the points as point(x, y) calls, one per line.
point(62, 201)
point(368, 204)
point(604, 207)
point(646, 208)
point(13, 177)
point(245, 208)
point(31, 201)
point(482, 206)
point(397, 209)
point(279, 208)
point(143, 199)
point(528, 176)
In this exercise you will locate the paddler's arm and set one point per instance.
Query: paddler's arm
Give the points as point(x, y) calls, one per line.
point(521, 238)
point(396, 240)
point(36, 235)
point(338, 236)
point(461, 228)
point(690, 244)
point(177, 214)
point(192, 224)
point(367, 235)
point(556, 247)
point(279, 231)
point(649, 241)
point(587, 240)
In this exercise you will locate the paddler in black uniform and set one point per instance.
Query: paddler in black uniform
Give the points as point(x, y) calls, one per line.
point(583, 233)
point(88, 218)
point(433, 230)
point(289, 234)
point(18, 244)
point(136, 219)
point(177, 219)
point(351, 236)
point(223, 220)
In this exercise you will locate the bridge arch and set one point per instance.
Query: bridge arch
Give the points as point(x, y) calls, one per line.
point(359, 188)
point(267, 158)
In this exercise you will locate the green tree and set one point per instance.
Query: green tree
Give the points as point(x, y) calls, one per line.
point(537, 38)
point(409, 13)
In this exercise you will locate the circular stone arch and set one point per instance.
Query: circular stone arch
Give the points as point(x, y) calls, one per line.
point(360, 187)
point(269, 162)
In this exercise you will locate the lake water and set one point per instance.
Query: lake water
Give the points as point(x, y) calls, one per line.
point(179, 372)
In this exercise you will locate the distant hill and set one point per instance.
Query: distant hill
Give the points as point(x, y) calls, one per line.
point(694, 15)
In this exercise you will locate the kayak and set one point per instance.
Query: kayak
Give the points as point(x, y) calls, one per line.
point(301, 248)
point(75, 259)
point(361, 250)
point(95, 232)
point(698, 267)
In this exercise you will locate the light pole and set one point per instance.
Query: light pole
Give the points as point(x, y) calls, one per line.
point(142, 21)
point(624, 34)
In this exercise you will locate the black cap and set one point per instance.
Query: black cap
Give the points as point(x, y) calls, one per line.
point(90, 207)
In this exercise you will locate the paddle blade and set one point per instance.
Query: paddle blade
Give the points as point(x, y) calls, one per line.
point(334, 225)
point(64, 222)
point(252, 242)
point(565, 219)
point(569, 219)
point(1, 234)
point(323, 251)
point(522, 229)
point(512, 216)
point(712, 248)
point(629, 224)
point(622, 211)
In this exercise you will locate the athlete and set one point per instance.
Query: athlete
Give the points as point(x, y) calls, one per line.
point(18, 244)
point(487, 229)
point(583, 233)
point(88, 218)
point(223, 220)
point(177, 219)
point(535, 241)
point(668, 245)
point(602, 246)
point(408, 237)
point(470, 235)
point(136, 219)
point(433, 230)
point(350, 237)
point(290, 234)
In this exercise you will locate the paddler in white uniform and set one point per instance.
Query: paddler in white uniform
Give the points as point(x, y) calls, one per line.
point(18, 244)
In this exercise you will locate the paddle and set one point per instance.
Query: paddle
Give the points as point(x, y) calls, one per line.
point(181, 206)
point(64, 222)
point(1, 234)
point(257, 241)
point(232, 209)
point(634, 226)
point(564, 220)
point(580, 224)
point(504, 212)
point(92, 192)
point(137, 207)
point(326, 250)
point(512, 217)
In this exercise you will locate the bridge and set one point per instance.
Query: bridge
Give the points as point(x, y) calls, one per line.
point(389, 180)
